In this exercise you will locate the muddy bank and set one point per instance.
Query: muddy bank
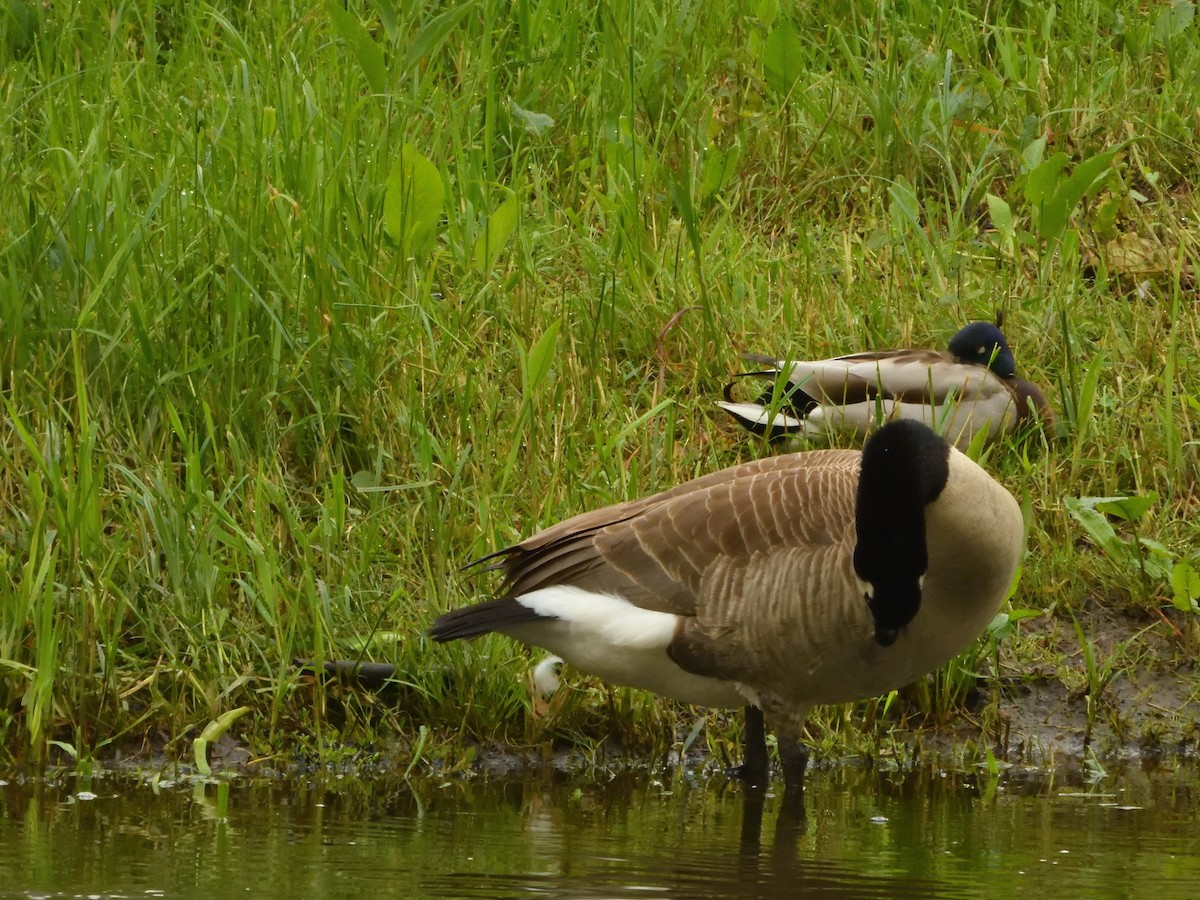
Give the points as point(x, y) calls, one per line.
point(1135, 698)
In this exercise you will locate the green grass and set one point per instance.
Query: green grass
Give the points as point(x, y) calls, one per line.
point(304, 306)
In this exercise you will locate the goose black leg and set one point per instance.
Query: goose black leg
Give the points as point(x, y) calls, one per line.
point(755, 767)
point(794, 757)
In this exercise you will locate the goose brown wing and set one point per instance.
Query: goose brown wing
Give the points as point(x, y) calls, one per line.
point(765, 619)
point(656, 552)
point(771, 585)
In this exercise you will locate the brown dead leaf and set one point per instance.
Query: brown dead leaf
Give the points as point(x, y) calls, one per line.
point(1132, 254)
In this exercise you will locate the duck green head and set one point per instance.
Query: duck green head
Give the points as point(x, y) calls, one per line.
point(983, 344)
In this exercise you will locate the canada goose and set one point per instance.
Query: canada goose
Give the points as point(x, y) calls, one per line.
point(970, 388)
point(817, 577)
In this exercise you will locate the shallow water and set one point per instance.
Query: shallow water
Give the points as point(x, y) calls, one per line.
point(866, 834)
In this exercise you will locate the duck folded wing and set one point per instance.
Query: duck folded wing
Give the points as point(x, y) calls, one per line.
point(903, 376)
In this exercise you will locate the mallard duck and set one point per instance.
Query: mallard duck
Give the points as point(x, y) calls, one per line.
point(823, 576)
point(971, 387)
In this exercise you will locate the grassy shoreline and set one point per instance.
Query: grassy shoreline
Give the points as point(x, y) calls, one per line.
point(304, 306)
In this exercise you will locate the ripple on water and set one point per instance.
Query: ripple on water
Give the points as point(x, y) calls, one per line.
point(866, 834)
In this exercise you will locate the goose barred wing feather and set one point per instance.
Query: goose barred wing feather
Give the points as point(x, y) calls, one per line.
point(799, 590)
point(670, 551)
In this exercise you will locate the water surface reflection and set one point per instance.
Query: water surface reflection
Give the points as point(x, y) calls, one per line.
point(927, 834)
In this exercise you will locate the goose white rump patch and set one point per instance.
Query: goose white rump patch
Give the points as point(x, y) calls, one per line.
point(607, 636)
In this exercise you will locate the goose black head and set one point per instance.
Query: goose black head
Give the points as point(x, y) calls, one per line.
point(905, 467)
point(983, 344)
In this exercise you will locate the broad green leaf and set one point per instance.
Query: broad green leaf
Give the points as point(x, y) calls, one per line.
point(717, 169)
point(368, 53)
point(1185, 583)
point(213, 731)
point(1001, 215)
point(500, 226)
point(434, 34)
point(417, 751)
point(1049, 14)
point(710, 172)
point(1173, 20)
point(537, 367)
point(1009, 59)
point(1159, 561)
point(1051, 218)
point(766, 11)
point(783, 58)
point(534, 122)
point(413, 202)
point(1098, 528)
point(1107, 212)
point(1017, 615)
point(1085, 403)
point(904, 208)
point(218, 726)
point(1069, 245)
point(200, 755)
point(1002, 625)
point(364, 479)
point(1016, 579)
point(1071, 191)
point(1041, 181)
point(1053, 199)
point(21, 22)
point(697, 727)
point(1127, 508)
point(1033, 153)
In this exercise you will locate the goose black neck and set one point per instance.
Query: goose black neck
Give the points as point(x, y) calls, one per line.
point(905, 467)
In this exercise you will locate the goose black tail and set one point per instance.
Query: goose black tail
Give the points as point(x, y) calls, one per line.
point(481, 618)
